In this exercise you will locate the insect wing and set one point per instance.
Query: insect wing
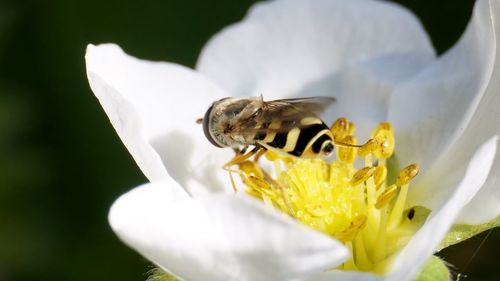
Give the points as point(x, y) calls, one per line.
point(316, 105)
point(288, 111)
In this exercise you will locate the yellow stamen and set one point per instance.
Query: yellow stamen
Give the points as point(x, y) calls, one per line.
point(342, 128)
point(251, 168)
point(381, 235)
point(407, 174)
point(386, 196)
point(397, 211)
point(347, 154)
point(380, 175)
point(384, 136)
point(362, 175)
point(350, 232)
point(367, 148)
point(351, 204)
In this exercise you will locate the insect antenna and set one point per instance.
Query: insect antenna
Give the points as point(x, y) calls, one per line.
point(343, 144)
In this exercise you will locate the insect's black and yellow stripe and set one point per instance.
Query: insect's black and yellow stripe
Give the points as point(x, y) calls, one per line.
point(301, 139)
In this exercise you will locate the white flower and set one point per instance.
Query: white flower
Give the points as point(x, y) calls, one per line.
point(375, 58)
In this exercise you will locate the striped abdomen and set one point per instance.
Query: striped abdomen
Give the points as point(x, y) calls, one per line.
point(307, 138)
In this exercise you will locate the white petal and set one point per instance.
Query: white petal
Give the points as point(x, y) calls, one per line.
point(485, 205)
point(282, 45)
point(363, 89)
point(351, 49)
point(425, 241)
point(153, 107)
point(446, 112)
point(219, 237)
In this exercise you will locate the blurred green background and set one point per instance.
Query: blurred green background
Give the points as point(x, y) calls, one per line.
point(62, 165)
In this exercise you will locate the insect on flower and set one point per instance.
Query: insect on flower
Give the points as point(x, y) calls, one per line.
point(285, 126)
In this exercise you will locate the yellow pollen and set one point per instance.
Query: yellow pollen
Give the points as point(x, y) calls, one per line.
point(355, 205)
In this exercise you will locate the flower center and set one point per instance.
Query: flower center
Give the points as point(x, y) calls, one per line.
point(356, 206)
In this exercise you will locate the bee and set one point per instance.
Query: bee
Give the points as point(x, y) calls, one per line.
point(287, 126)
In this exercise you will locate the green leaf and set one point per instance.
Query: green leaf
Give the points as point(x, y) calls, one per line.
point(435, 269)
point(461, 232)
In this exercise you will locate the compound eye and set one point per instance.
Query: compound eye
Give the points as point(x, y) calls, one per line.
point(328, 149)
point(206, 127)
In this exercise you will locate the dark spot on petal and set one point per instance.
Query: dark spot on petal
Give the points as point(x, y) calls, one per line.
point(411, 214)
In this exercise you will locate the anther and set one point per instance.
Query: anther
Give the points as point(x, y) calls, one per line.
point(367, 148)
point(257, 183)
point(342, 128)
point(379, 175)
point(257, 187)
point(350, 232)
point(347, 154)
point(352, 128)
point(316, 211)
point(386, 196)
point(271, 156)
point(407, 174)
point(362, 175)
point(251, 168)
point(384, 135)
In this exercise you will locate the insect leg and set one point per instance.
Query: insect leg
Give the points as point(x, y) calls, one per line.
point(239, 158)
point(259, 154)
